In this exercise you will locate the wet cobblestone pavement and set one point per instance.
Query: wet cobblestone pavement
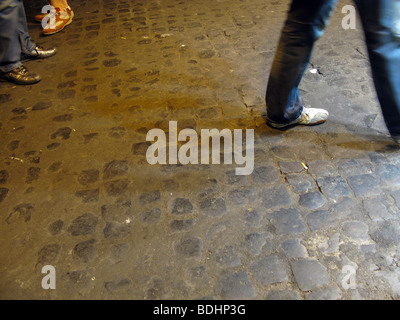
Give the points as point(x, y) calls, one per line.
point(77, 192)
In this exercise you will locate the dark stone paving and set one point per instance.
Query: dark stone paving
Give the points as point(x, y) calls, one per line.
point(77, 192)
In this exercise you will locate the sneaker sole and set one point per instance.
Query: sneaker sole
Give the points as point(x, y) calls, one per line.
point(288, 126)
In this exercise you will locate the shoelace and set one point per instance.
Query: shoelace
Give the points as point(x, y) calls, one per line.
point(306, 116)
point(22, 70)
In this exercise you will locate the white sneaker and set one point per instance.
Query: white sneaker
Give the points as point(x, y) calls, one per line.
point(308, 117)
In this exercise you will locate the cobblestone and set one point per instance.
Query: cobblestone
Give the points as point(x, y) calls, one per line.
point(310, 274)
point(269, 270)
point(77, 191)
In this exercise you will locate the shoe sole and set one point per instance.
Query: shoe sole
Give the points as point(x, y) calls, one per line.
point(289, 126)
point(19, 83)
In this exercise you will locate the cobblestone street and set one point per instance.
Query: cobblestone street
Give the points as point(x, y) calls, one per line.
point(318, 218)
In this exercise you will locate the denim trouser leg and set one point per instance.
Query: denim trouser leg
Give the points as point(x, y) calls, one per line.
point(14, 36)
point(305, 24)
point(379, 18)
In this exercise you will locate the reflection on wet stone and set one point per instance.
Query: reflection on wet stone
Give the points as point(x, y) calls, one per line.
point(42, 105)
point(213, 206)
point(84, 224)
point(53, 146)
point(117, 132)
point(62, 133)
point(182, 206)
point(117, 285)
point(22, 211)
point(88, 176)
point(115, 168)
point(55, 166)
point(33, 174)
point(150, 197)
point(3, 193)
point(56, 226)
point(115, 230)
point(140, 148)
point(189, 248)
point(85, 250)
point(111, 62)
point(4, 176)
point(91, 195)
point(116, 187)
point(181, 225)
point(150, 216)
point(48, 254)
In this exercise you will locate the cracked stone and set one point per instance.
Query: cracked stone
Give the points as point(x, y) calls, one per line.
point(334, 187)
point(301, 183)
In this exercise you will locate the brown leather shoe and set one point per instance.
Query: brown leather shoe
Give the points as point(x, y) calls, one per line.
point(20, 75)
